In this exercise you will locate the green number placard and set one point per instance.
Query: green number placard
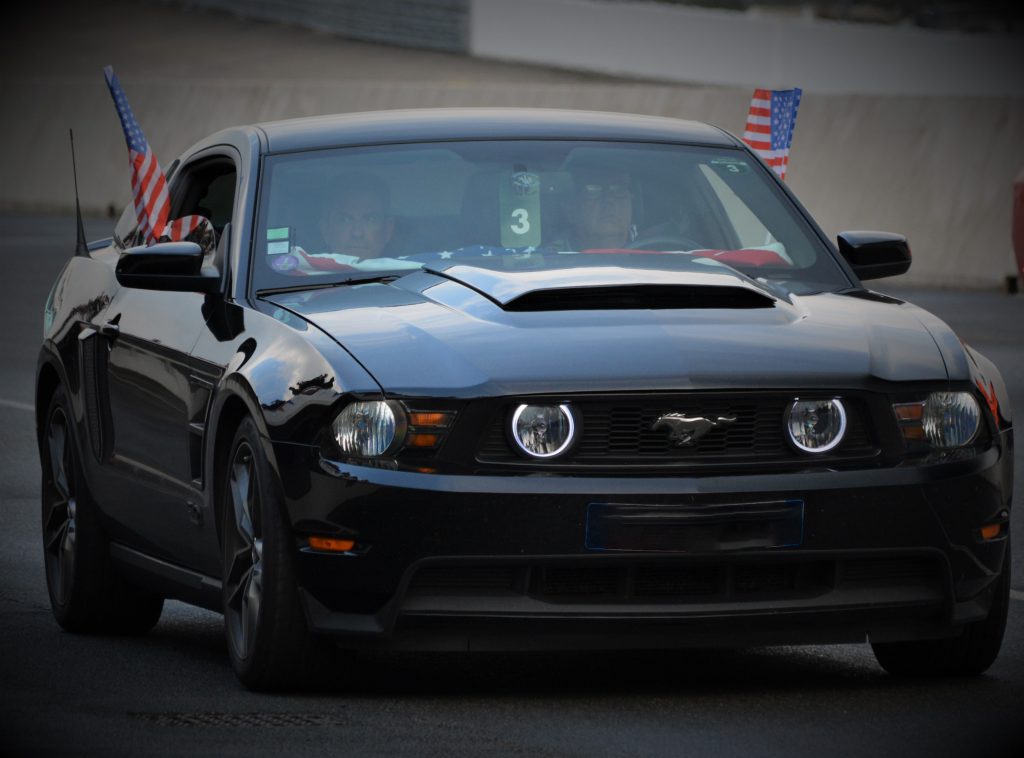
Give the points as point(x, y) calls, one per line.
point(520, 209)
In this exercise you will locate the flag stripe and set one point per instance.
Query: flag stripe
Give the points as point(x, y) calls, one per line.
point(149, 189)
point(771, 120)
point(149, 186)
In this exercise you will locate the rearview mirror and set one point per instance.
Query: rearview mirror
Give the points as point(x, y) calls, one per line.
point(171, 266)
point(873, 255)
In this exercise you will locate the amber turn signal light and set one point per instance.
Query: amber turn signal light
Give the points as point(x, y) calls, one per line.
point(991, 531)
point(427, 428)
point(331, 544)
point(912, 412)
point(422, 440)
point(429, 418)
point(910, 416)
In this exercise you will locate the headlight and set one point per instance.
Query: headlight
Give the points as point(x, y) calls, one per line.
point(816, 426)
point(543, 431)
point(950, 419)
point(368, 429)
point(944, 419)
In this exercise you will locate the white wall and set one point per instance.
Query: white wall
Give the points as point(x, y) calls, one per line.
point(734, 48)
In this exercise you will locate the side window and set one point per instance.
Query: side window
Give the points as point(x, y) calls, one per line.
point(219, 200)
point(205, 188)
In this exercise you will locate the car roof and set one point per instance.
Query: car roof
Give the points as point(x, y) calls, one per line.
point(438, 124)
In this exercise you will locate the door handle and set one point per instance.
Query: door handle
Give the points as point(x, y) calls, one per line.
point(110, 330)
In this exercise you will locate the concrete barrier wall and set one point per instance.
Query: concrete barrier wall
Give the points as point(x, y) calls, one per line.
point(709, 46)
point(673, 43)
point(428, 24)
point(939, 170)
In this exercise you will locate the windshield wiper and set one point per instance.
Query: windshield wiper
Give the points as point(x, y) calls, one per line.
point(366, 278)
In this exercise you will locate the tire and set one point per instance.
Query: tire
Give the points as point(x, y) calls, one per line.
point(968, 654)
point(267, 638)
point(86, 592)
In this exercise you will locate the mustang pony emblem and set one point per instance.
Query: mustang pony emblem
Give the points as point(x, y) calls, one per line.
point(684, 430)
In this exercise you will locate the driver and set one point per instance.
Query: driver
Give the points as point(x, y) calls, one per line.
point(601, 209)
point(355, 218)
point(356, 226)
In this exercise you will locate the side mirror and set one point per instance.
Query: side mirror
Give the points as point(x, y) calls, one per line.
point(873, 255)
point(171, 266)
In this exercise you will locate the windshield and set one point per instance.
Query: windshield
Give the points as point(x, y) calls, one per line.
point(332, 215)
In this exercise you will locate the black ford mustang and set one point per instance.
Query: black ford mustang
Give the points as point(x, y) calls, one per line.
point(514, 379)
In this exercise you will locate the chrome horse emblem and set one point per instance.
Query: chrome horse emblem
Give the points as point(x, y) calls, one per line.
point(686, 430)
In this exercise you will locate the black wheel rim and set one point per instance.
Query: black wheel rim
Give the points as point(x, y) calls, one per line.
point(59, 527)
point(244, 576)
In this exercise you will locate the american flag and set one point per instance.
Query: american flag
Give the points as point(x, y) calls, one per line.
point(149, 186)
point(770, 123)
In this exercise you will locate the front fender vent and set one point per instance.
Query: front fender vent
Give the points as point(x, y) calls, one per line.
point(92, 356)
point(639, 297)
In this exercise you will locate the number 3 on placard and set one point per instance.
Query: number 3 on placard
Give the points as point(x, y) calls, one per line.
point(522, 218)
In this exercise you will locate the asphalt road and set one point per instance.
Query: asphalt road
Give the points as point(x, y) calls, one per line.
point(172, 692)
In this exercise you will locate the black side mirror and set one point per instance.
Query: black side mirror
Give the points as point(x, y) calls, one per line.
point(873, 255)
point(171, 266)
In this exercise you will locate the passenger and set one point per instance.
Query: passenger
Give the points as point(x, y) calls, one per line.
point(601, 210)
point(356, 219)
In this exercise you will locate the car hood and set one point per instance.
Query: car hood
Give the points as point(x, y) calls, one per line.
point(464, 332)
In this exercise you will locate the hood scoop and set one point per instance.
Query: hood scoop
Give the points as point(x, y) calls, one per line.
point(639, 297)
point(585, 288)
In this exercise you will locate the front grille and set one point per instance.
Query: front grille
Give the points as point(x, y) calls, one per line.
point(589, 582)
point(872, 572)
point(675, 581)
point(479, 578)
point(620, 432)
point(240, 720)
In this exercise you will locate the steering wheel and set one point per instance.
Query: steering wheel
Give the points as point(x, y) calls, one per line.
point(664, 242)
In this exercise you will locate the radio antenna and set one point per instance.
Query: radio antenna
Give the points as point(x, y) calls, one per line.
point(81, 248)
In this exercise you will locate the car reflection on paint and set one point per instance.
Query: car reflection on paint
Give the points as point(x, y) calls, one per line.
point(593, 381)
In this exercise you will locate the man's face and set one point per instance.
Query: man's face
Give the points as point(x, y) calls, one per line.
point(604, 207)
point(357, 224)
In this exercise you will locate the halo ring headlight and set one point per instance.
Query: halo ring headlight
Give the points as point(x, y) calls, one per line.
point(543, 431)
point(816, 426)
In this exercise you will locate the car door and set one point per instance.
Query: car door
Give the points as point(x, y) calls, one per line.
point(156, 394)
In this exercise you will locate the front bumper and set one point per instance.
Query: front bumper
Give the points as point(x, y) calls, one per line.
point(504, 562)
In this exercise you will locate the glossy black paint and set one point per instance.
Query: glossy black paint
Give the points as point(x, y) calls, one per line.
point(444, 337)
point(876, 517)
point(874, 255)
point(399, 126)
point(158, 380)
point(167, 266)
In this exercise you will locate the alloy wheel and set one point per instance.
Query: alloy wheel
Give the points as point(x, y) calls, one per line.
point(244, 577)
point(59, 527)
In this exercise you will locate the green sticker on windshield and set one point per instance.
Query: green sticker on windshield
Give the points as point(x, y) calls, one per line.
point(730, 166)
point(520, 209)
point(279, 240)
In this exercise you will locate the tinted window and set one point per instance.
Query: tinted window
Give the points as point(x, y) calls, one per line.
point(530, 204)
